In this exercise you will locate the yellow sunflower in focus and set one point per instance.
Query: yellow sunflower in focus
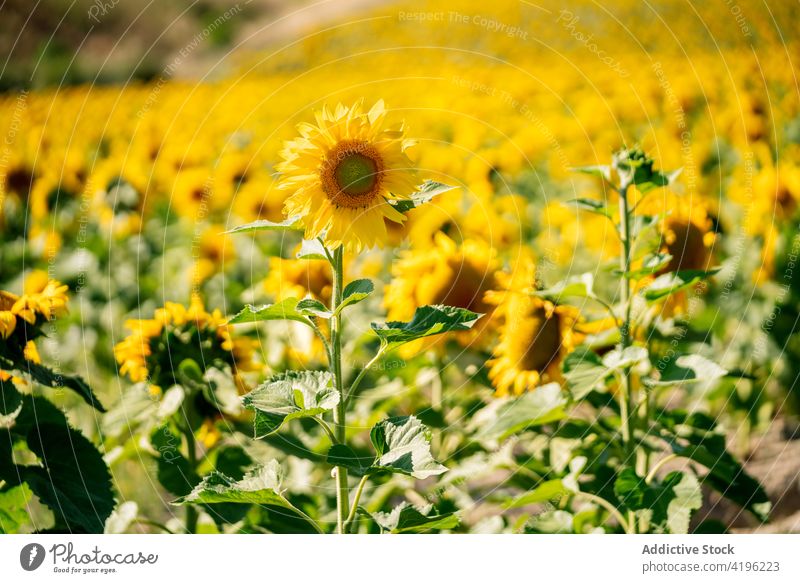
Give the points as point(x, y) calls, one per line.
point(342, 174)
point(535, 335)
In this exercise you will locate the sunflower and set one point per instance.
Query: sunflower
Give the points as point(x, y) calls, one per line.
point(299, 278)
point(8, 319)
point(535, 335)
point(446, 273)
point(344, 173)
point(175, 333)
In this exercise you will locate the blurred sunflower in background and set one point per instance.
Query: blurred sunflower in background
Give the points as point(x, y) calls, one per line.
point(343, 172)
point(445, 273)
point(155, 347)
point(535, 335)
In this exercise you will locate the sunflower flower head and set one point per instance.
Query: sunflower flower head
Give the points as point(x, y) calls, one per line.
point(344, 173)
point(535, 335)
point(176, 332)
point(446, 273)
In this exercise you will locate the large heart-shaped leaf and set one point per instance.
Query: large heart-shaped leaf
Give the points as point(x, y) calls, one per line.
point(73, 480)
point(427, 321)
point(403, 446)
point(290, 395)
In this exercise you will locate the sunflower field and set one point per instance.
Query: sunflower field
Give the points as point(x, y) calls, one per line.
point(411, 267)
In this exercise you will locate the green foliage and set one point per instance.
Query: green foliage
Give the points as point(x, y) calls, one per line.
point(290, 395)
point(427, 321)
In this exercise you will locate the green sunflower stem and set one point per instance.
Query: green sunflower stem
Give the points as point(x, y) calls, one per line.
point(339, 420)
point(626, 394)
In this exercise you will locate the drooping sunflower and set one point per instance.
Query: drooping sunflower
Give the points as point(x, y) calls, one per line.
point(344, 173)
point(535, 335)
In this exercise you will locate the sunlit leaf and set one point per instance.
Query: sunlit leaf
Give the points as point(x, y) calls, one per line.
point(290, 395)
point(403, 446)
point(292, 223)
point(285, 310)
point(670, 283)
point(425, 194)
point(427, 321)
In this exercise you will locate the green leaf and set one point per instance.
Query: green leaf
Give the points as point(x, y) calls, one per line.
point(551, 522)
point(427, 321)
point(343, 455)
point(584, 373)
point(627, 358)
point(688, 368)
point(73, 480)
point(544, 492)
point(403, 446)
point(670, 283)
point(172, 468)
point(14, 508)
point(424, 195)
point(668, 505)
point(290, 395)
point(285, 310)
point(312, 249)
point(651, 263)
point(597, 207)
point(406, 518)
point(543, 405)
point(647, 180)
point(578, 286)
point(292, 223)
point(354, 292)
point(45, 376)
point(261, 486)
point(696, 437)
point(312, 307)
point(600, 170)
point(10, 404)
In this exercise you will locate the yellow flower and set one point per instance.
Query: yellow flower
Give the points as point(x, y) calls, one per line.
point(299, 278)
point(50, 302)
point(8, 321)
point(447, 273)
point(534, 338)
point(687, 230)
point(183, 330)
point(343, 172)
